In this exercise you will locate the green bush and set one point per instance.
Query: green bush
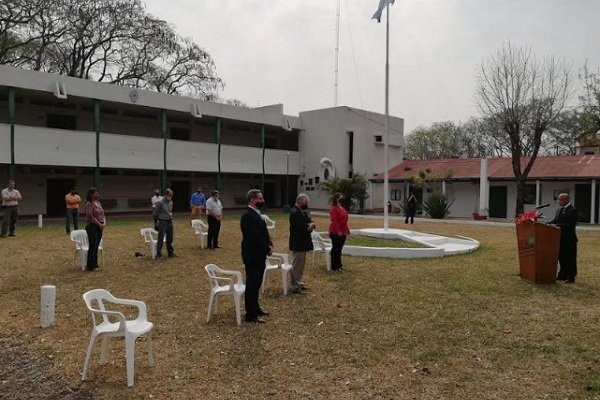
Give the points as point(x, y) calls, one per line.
point(437, 205)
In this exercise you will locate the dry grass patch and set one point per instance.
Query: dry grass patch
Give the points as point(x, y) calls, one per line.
point(463, 327)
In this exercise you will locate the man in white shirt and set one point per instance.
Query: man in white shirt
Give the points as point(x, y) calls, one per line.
point(214, 213)
point(155, 199)
point(10, 208)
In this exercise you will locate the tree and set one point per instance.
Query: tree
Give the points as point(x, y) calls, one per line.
point(590, 101)
point(522, 99)
point(110, 41)
point(353, 189)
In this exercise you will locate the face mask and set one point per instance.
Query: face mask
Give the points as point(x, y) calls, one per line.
point(304, 206)
point(260, 205)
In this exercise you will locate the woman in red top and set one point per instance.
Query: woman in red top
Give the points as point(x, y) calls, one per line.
point(338, 230)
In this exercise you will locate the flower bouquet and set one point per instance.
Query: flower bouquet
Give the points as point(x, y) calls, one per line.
point(528, 217)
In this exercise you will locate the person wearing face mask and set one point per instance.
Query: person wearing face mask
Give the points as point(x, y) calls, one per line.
point(301, 226)
point(96, 222)
point(72, 201)
point(214, 213)
point(256, 246)
point(338, 231)
point(163, 211)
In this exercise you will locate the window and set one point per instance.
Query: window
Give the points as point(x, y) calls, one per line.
point(350, 148)
point(530, 194)
point(180, 134)
point(378, 138)
point(60, 121)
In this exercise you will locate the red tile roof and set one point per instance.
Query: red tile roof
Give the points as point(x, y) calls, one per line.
point(564, 167)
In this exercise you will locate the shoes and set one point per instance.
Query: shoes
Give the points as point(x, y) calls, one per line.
point(297, 291)
point(259, 320)
point(12, 234)
point(211, 248)
point(337, 270)
point(569, 280)
point(158, 257)
point(303, 288)
point(218, 247)
point(262, 313)
point(173, 255)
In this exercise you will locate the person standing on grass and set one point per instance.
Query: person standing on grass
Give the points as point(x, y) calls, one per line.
point(411, 209)
point(214, 213)
point(163, 211)
point(153, 200)
point(197, 203)
point(96, 222)
point(256, 246)
point(566, 220)
point(72, 201)
point(10, 207)
point(338, 231)
point(301, 227)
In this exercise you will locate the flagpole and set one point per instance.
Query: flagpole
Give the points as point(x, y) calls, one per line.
point(337, 56)
point(386, 190)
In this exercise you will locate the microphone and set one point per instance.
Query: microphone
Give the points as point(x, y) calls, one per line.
point(542, 206)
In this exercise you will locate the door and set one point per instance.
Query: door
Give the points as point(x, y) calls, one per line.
point(181, 195)
point(56, 189)
point(498, 200)
point(583, 202)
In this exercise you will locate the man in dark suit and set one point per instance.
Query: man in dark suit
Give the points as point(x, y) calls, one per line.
point(566, 220)
point(301, 226)
point(256, 245)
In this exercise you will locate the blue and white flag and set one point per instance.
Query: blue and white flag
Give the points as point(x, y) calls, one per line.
point(382, 4)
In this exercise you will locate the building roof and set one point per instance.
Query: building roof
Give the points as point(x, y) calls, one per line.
point(558, 167)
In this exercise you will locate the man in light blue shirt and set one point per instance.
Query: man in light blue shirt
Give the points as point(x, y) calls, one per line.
point(197, 203)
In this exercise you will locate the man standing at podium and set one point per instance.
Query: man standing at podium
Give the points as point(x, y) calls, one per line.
point(566, 220)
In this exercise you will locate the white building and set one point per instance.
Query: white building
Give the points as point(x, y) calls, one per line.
point(57, 132)
point(488, 186)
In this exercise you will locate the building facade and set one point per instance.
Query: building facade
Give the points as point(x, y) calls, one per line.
point(57, 132)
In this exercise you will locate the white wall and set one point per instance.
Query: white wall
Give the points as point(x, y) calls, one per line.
point(191, 156)
point(44, 146)
point(122, 151)
point(465, 196)
point(4, 144)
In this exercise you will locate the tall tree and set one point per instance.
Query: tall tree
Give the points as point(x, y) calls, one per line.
point(590, 101)
point(522, 98)
point(111, 41)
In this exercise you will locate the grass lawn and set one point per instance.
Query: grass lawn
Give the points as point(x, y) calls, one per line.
point(376, 242)
point(462, 327)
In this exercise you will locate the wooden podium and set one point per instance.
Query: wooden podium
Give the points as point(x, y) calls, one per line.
point(538, 251)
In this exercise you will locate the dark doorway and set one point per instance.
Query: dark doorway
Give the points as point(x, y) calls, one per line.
point(498, 200)
point(181, 195)
point(583, 202)
point(56, 189)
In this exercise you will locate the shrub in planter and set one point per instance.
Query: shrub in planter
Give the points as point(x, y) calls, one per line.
point(437, 206)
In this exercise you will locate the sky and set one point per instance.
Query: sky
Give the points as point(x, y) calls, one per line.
point(283, 51)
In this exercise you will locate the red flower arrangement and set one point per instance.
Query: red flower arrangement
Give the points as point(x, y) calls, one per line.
point(527, 218)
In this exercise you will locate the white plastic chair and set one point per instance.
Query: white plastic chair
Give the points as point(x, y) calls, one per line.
point(149, 239)
point(200, 229)
point(82, 245)
point(323, 246)
point(96, 301)
point(270, 223)
point(221, 284)
point(274, 262)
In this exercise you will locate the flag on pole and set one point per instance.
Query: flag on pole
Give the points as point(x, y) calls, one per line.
point(382, 4)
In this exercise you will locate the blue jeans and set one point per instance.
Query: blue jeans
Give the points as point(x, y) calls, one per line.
point(165, 228)
point(72, 218)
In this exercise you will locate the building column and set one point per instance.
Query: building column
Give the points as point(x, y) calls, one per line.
point(97, 181)
point(11, 122)
point(538, 192)
point(163, 136)
point(484, 188)
point(218, 142)
point(593, 212)
point(262, 145)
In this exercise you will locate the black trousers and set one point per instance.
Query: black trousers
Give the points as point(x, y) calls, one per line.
point(165, 230)
point(567, 258)
point(254, 276)
point(410, 216)
point(214, 227)
point(94, 236)
point(72, 218)
point(337, 243)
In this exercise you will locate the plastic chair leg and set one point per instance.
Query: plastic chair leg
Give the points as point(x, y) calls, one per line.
point(210, 304)
point(284, 281)
point(238, 308)
point(105, 341)
point(130, 356)
point(150, 349)
point(328, 259)
point(264, 281)
point(88, 353)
